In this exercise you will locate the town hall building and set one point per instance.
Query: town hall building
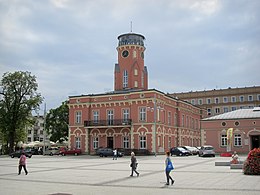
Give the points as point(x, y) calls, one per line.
point(132, 116)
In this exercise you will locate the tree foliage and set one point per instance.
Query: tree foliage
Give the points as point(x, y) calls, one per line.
point(18, 98)
point(57, 121)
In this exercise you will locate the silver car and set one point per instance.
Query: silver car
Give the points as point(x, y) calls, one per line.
point(207, 151)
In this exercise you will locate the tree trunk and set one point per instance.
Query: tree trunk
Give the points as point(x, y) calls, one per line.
point(11, 142)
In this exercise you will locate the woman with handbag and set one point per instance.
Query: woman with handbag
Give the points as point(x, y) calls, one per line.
point(133, 164)
point(169, 168)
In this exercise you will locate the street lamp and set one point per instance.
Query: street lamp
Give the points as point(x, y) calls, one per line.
point(44, 128)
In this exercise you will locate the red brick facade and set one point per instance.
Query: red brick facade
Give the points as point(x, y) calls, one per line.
point(132, 116)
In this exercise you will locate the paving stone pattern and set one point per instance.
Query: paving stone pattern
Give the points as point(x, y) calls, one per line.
point(94, 175)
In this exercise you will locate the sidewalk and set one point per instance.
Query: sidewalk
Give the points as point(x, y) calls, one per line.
point(95, 175)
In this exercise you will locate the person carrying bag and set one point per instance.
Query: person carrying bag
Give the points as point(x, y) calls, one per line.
point(168, 168)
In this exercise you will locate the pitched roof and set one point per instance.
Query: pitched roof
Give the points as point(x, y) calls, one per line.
point(237, 114)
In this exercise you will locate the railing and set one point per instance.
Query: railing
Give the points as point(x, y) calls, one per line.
point(115, 122)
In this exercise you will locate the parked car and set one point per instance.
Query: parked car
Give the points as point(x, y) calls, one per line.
point(193, 150)
point(109, 152)
point(66, 151)
point(52, 151)
point(207, 151)
point(179, 151)
point(99, 150)
point(34, 151)
point(18, 153)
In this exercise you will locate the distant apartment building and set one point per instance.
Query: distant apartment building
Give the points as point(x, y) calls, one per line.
point(219, 101)
point(36, 131)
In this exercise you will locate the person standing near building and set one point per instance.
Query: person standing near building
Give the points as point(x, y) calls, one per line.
point(115, 154)
point(22, 164)
point(133, 165)
point(234, 158)
point(168, 168)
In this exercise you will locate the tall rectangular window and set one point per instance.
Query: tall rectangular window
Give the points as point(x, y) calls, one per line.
point(78, 117)
point(142, 114)
point(225, 109)
point(250, 98)
point(136, 83)
point(182, 120)
point(187, 121)
point(95, 116)
point(175, 119)
point(125, 115)
point(142, 142)
point(225, 99)
point(110, 117)
point(233, 108)
point(126, 142)
point(95, 142)
point(223, 140)
point(209, 111)
point(200, 101)
point(169, 118)
point(125, 79)
point(237, 140)
point(241, 98)
point(217, 110)
point(216, 100)
point(77, 142)
point(208, 101)
point(233, 99)
point(193, 102)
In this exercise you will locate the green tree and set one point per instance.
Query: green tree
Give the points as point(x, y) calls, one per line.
point(57, 121)
point(18, 98)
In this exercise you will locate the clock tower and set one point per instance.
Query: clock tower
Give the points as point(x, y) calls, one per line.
point(130, 72)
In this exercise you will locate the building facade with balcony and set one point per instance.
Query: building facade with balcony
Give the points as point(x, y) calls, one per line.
point(223, 100)
point(36, 132)
point(132, 116)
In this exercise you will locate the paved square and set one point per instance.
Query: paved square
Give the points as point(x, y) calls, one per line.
point(94, 175)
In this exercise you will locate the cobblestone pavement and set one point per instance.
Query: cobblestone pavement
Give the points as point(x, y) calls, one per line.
point(94, 175)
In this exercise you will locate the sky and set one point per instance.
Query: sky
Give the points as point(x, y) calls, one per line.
point(191, 45)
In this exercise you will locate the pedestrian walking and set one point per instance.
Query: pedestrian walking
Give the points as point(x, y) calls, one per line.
point(133, 165)
point(115, 154)
point(22, 164)
point(168, 168)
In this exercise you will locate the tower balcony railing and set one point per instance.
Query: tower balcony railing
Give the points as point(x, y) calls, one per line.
point(115, 122)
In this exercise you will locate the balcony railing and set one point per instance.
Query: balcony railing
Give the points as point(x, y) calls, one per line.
point(115, 122)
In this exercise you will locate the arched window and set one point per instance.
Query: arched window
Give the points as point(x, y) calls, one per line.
point(125, 79)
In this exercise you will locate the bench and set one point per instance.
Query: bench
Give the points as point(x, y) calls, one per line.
point(222, 163)
point(236, 166)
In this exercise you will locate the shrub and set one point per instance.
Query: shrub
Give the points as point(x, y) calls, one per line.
point(252, 163)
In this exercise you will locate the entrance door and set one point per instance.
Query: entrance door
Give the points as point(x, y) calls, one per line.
point(255, 141)
point(110, 142)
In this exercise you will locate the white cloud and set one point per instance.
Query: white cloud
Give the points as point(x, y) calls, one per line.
point(71, 45)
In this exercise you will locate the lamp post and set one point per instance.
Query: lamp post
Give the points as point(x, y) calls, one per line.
point(154, 130)
point(44, 129)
